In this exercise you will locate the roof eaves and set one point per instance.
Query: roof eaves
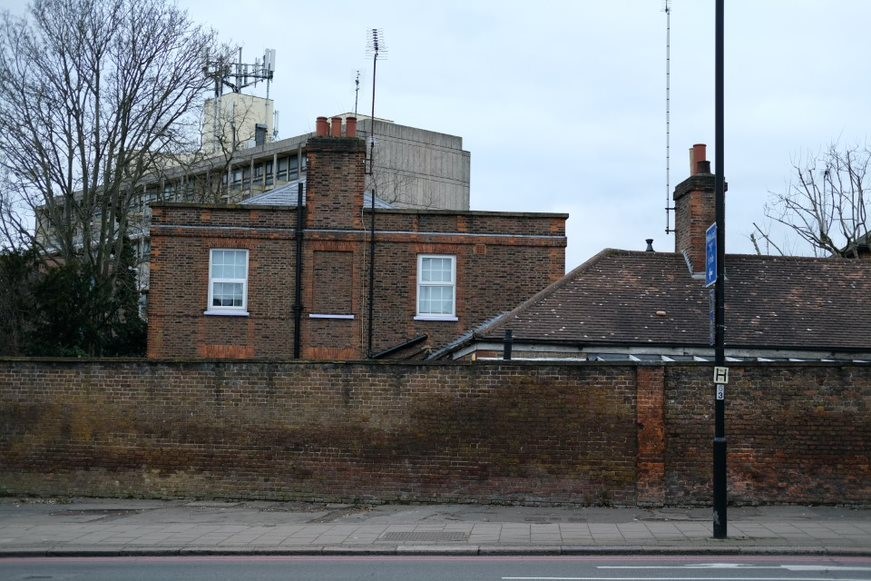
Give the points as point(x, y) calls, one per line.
point(465, 339)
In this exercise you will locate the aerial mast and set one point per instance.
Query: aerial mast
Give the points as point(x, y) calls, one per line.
point(668, 207)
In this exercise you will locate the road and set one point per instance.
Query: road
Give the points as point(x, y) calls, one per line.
point(423, 568)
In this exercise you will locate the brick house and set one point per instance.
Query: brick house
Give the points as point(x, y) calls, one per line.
point(653, 306)
point(311, 281)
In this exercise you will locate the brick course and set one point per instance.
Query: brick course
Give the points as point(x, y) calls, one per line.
point(501, 432)
point(494, 274)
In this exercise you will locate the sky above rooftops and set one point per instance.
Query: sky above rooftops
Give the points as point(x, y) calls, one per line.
point(562, 104)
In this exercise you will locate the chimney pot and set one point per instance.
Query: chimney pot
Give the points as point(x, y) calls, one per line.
point(694, 209)
point(322, 129)
point(649, 245)
point(351, 127)
point(337, 127)
point(698, 155)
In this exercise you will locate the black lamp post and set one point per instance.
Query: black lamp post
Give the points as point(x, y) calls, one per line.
point(720, 500)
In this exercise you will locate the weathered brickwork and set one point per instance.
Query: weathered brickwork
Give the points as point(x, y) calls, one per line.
point(516, 432)
point(798, 434)
point(651, 436)
point(494, 274)
point(341, 431)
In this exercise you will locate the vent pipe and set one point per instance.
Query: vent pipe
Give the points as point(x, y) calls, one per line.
point(507, 345)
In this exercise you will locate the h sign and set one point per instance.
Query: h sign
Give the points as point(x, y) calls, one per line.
point(721, 375)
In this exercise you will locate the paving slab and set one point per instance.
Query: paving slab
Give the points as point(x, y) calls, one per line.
point(156, 527)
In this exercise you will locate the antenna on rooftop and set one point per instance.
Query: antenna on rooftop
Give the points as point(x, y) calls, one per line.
point(356, 91)
point(374, 46)
point(668, 207)
point(237, 75)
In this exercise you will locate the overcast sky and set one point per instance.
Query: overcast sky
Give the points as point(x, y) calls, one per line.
point(562, 104)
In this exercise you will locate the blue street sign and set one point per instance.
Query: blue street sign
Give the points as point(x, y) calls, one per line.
point(711, 255)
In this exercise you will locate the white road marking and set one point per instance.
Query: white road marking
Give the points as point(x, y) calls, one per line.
point(711, 566)
point(801, 568)
point(673, 578)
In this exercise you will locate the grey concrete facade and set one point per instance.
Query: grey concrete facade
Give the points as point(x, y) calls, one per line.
point(417, 168)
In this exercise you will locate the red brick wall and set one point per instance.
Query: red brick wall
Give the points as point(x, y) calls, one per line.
point(651, 436)
point(494, 274)
point(798, 433)
point(332, 431)
point(178, 297)
point(518, 432)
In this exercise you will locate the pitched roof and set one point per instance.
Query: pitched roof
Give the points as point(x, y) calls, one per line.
point(633, 298)
point(287, 194)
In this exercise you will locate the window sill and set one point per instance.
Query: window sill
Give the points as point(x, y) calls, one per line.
point(327, 316)
point(226, 313)
point(436, 318)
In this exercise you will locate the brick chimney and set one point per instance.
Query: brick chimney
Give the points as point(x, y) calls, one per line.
point(336, 175)
point(694, 209)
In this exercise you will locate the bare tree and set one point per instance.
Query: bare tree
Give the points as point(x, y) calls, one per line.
point(92, 94)
point(825, 205)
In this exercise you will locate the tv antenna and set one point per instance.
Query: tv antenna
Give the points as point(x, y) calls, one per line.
point(237, 75)
point(668, 207)
point(375, 46)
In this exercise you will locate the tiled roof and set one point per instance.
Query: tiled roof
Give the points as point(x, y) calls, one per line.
point(648, 298)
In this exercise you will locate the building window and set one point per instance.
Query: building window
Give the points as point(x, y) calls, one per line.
point(436, 288)
point(228, 282)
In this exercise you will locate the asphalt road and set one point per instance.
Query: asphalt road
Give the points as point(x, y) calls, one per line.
point(422, 568)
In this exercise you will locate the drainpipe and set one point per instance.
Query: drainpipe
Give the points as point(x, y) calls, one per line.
point(297, 307)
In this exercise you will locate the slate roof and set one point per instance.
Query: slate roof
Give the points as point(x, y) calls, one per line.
point(287, 194)
point(633, 298)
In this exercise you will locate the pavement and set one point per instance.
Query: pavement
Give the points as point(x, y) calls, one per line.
point(114, 527)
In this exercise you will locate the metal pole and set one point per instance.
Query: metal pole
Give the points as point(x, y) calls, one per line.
point(720, 500)
point(507, 344)
point(372, 209)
